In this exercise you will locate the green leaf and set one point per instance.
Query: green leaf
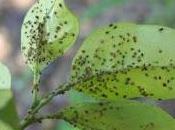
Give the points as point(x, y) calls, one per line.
point(127, 60)
point(98, 8)
point(5, 85)
point(5, 126)
point(5, 77)
point(8, 115)
point(155, 82)
point(121, 115)
point(48, 31)
point(63, 125)
point(78, 97)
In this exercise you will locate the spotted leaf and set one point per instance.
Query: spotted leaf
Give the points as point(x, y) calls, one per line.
point(8, 116)
point(49, 29)
point(126, 61)
point(121, 115)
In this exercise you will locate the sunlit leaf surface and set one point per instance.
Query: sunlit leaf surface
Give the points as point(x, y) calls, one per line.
point(126, 61)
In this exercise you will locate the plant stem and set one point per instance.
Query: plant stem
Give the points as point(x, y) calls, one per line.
point(31, 116)
point(28, 121)
point(41, 102)
point(46, 99)
point(34, 119)
point(35, 89)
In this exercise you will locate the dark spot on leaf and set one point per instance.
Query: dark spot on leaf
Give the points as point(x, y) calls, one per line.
point(135, 39)
point(60, 5)
point(161, 29)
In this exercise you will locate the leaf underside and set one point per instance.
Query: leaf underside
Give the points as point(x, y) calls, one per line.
point(121, 115)
point(127, 61)
point(63, 125)
point(49, 29)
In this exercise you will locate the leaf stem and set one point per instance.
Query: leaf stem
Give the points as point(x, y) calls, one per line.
point(31, 116)
point(35, 89)
point(28, 121)
point(39, 119)
point(47, 98)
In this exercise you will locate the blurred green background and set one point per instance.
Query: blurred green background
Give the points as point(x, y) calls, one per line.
point(92, 14)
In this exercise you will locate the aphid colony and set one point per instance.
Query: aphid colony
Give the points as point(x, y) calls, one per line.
point(48, 31)
point(125, 62)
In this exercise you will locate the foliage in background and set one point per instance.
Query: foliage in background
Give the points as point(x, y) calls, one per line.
point(99, 8)
point(8, 116)
point(162, 11)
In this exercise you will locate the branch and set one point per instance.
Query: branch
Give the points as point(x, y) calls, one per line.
point(30, 119)
point(34, 119)
point(31, 116)
point(35, 89)
point(46, 99)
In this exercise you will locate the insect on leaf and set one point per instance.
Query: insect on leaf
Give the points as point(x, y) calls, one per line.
point(126, 61)
point(8, 115)
point(48, 31)
point(121, 115)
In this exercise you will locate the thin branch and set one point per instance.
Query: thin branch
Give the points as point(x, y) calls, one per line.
point(38, 119)
point(31, 116)
point(28, 121)
point(35, 89)
point(46, 99)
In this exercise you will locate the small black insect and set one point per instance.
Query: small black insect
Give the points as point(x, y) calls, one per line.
point(161, 29)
